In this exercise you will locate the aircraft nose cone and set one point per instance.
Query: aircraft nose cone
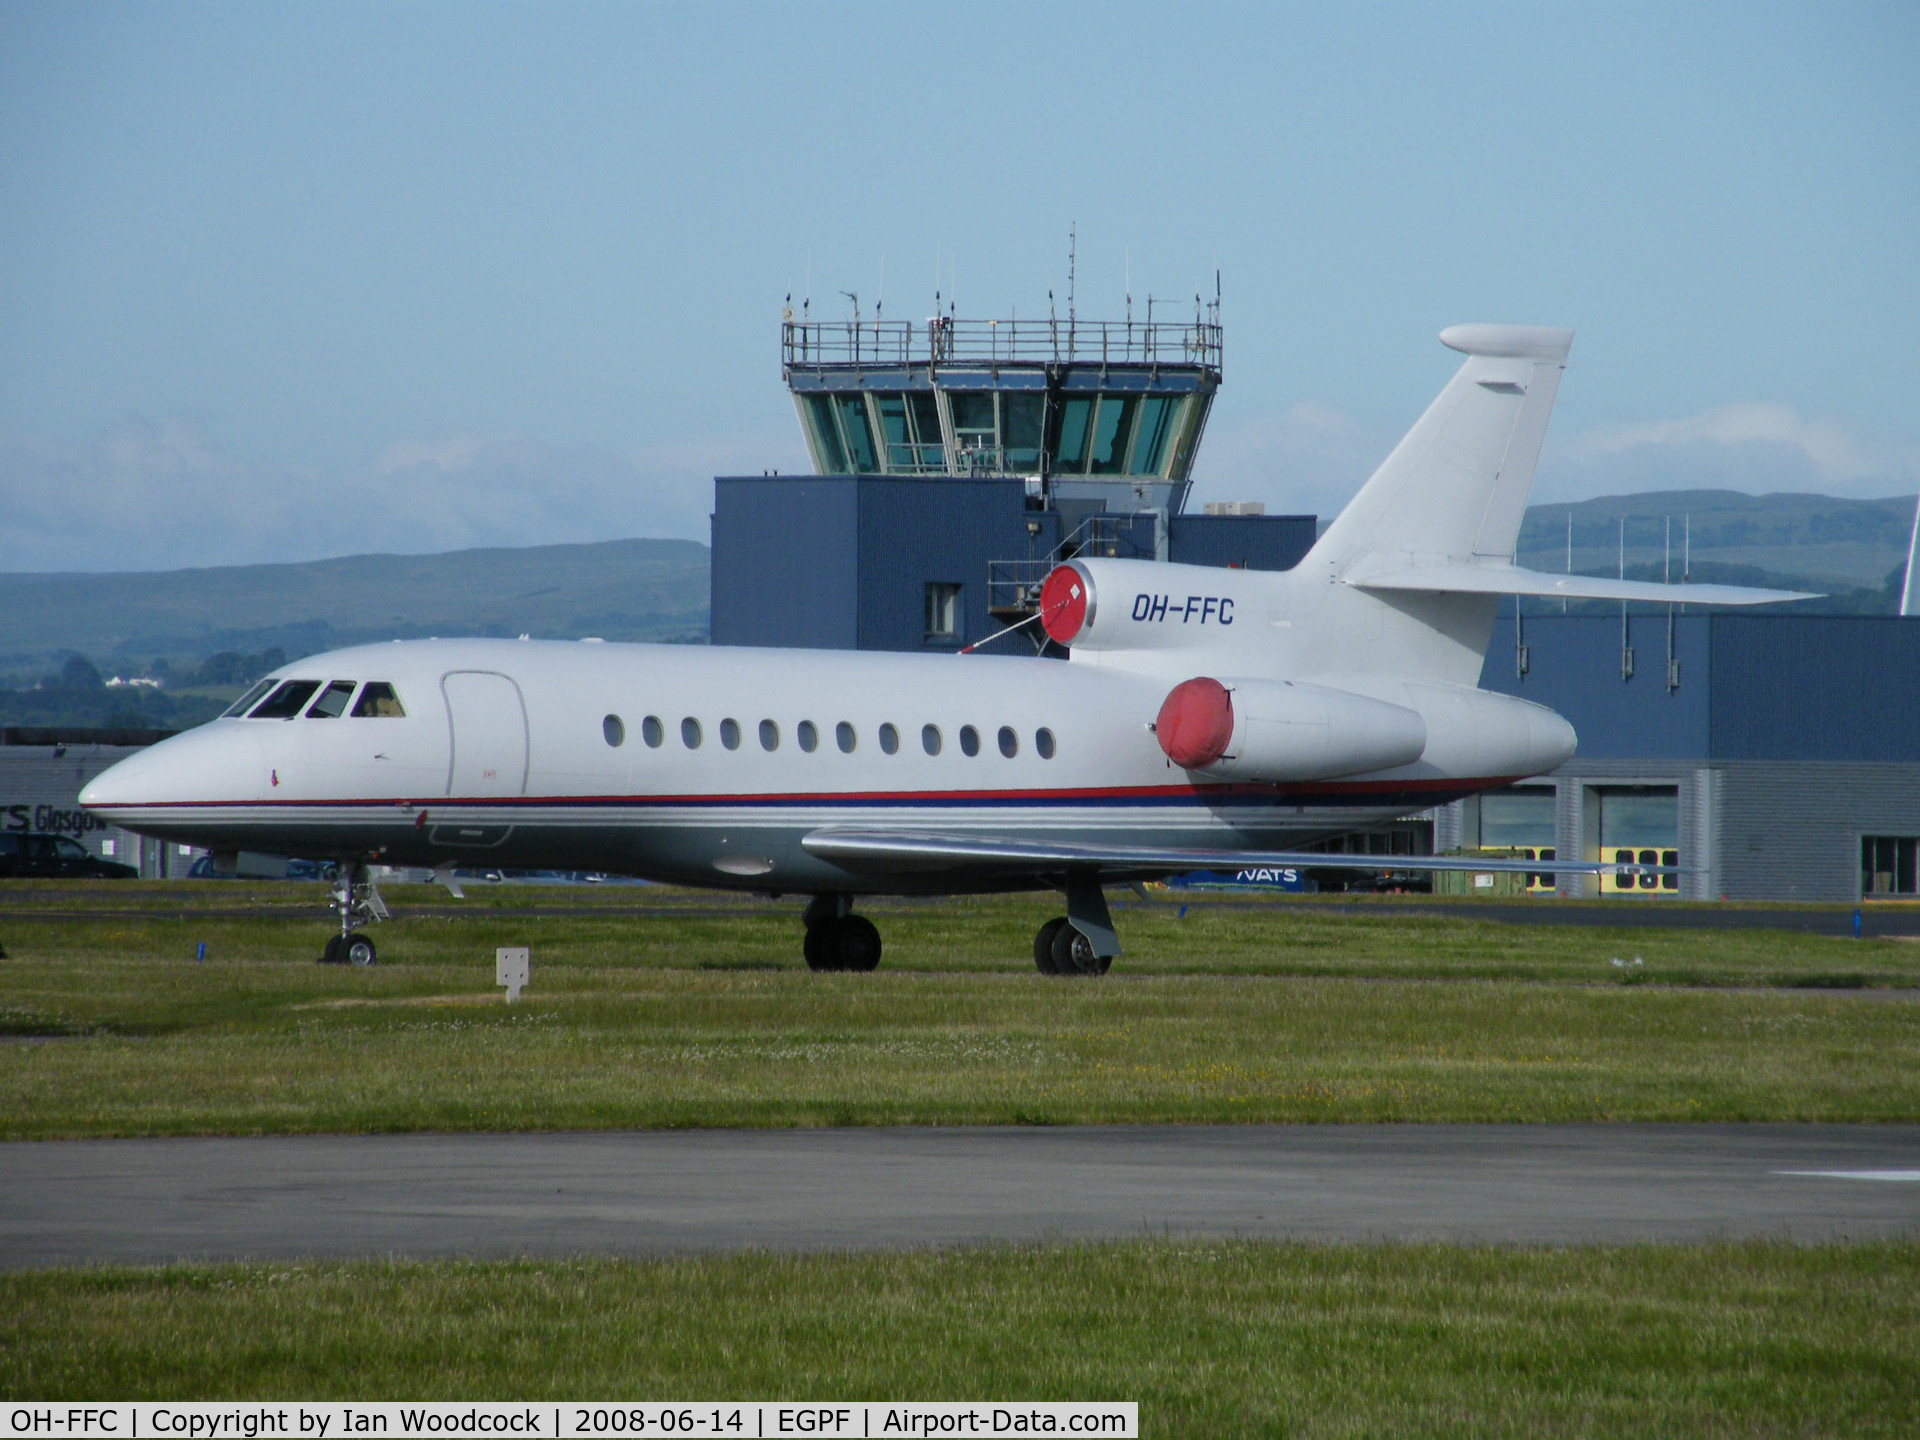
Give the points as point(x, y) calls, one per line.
point(200, 765)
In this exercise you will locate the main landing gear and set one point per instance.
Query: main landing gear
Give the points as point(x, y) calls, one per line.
point(838, 939)
point(1080, 942)
point(357, 900)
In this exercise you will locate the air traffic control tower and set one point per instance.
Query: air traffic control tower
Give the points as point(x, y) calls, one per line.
point(956, 461)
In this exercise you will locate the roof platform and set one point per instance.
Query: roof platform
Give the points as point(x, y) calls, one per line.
point(1105, 413)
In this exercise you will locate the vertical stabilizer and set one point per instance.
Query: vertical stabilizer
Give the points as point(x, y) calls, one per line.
point(1455, 489)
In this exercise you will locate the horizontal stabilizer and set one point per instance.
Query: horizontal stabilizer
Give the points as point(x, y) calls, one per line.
point(919, 852)
point(1511, 580)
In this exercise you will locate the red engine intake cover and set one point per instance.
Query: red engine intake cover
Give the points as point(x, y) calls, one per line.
point(1064, 600)
point(1196, 722)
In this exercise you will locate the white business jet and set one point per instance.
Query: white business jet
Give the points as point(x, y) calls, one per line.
point(1206, 718)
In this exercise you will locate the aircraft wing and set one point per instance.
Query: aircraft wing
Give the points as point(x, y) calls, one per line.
point(1512, 580)
point(893, 852)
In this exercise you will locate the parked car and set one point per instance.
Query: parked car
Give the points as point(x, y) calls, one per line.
point(265, 867)
point(55, 855)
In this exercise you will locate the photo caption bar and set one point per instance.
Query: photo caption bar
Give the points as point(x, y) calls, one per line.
point(566, 1420)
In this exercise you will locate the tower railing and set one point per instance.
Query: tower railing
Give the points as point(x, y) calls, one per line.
point(808, 343)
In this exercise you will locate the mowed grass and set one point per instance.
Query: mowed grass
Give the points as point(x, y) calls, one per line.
point(702, 1015)
point(1213, 1339)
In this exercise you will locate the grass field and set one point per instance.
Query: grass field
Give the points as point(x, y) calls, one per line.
point(1216, 1339)
point(700, 1013)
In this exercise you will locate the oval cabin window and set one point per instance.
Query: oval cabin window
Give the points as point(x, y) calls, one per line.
point(690, 733)
point(969, 740)
point(769, 735)
point(730, 733)
point(808, 736)
point(930, 739)
point(614, 730)
point(844, 737)
point(1009, 742)
point(889, 739)
point(1043, 742)
point(653, 732)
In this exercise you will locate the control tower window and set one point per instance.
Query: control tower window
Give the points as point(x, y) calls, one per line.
point(1069, 442)
point(1021, 426)
point(857, 433)
point(1157, 414)
point(943, 611)
point(826, 435)
point(926, 424)
point(973, 420)
point(893, 428)
point(1111, 431)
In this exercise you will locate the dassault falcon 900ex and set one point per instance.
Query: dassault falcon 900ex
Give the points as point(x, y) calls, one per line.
point(1205, 718)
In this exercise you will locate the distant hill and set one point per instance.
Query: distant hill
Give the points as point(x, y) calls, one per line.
point(616, 589)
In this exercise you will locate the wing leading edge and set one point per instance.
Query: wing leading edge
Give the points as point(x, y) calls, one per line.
point(909, 852)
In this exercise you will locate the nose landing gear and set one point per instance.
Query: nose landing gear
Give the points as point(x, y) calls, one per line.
point(357, 900)
point(837, 939)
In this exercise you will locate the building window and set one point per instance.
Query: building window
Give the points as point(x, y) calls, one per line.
point(1887, 865)
point(943, 611)
point(1639, 825)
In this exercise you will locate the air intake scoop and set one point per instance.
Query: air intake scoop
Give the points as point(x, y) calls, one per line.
point(1196, 723)
point(1066, 603)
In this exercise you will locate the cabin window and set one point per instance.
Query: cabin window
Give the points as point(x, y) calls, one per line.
point(890, 739)
point(844, 737)
point(730, 733)
point(332, 702)
point(653, 732)
point(769, 735)
point(378, 701)
point(690, 733)
point(287, 701)
point(1009, 742)
point(247, 701)
point(1043, 742)
point(808, 736)
point(930, 739)
point(969, 740)
point(614, 730)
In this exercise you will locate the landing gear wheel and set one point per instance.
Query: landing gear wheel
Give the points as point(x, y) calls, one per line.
point(357, 949)
point(816, 948)
point(1043, 945)
point(331, 955)
point(1073, 954)
point(856, 943)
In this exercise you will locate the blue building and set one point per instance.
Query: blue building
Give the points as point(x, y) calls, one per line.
point(1777, 755)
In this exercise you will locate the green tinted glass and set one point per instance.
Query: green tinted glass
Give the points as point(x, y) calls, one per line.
point(857, 433)
point(1069, 437)
point(1110, 432)
point(833, 459)
point(1020, 429)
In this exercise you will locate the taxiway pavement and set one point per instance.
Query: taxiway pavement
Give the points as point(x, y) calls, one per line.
point(631, 1193)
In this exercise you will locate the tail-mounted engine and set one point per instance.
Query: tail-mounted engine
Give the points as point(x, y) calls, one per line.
point(1284, 730)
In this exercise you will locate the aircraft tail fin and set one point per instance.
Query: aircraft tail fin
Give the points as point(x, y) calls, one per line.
point(1454, 490)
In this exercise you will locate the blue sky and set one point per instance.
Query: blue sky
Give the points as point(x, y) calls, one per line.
point(292, 280)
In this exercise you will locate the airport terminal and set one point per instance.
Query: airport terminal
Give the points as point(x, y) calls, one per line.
point(955, 462)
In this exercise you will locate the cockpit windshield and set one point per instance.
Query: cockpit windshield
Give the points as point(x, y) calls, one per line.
point(378, 700)
point(247, 701)
point(287, 701)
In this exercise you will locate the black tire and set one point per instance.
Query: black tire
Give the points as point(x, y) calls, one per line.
point(357, 949)
point(819, 953)
point(1073, 954)
point(331, 955)
point(856, 943)
point(1043, 945)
